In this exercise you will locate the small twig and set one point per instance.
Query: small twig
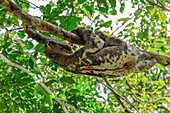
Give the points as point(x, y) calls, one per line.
point(13, 23)
point(30, 3)
point(121, 25)
point(164, 107)
point(114, 80)
point(35, 78)
point(118, 97)
point(55, 15)
point(5, 28)
point(160, 6)
point(132, 88)
point(16, 29)
point(159, 2)
point(51, 93)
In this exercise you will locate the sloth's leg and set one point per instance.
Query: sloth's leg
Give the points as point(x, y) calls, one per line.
point(93, 42)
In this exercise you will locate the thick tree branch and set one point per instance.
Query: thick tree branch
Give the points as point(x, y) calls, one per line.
point(40, 24)
point(46, 26)
point(163, 60)
point(41, 83)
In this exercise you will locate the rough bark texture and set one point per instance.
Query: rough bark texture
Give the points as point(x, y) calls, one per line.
point(102, 55)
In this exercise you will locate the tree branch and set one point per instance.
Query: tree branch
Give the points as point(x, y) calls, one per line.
point(118, 97)
point(161, 106)
point(132, 88)
point(16, 29)
point(122, 25)
point(46, 26)
point(30, 3)
point(157, 5)
point(41, 83)
point(40, 24)
point(163, 60)
point(5, 28)
point(43, 39)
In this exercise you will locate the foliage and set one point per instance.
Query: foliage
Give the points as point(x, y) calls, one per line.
point(146, 28)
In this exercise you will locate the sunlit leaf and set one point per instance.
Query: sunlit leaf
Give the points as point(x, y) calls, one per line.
point(107, 24)
point(162, 16)
point(81, 1)
point(86, 12)
point(160, 66)
point(74, 91)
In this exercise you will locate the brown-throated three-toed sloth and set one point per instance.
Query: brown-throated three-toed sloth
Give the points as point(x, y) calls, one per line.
point(102, 56)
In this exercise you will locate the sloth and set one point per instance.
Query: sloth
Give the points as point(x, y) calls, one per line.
point(102, 55)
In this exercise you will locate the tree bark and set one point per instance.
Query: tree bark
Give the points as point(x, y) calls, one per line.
point(40, 24)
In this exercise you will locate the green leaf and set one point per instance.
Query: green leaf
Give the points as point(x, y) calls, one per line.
point(113, 12)
point(40, 90)
point(48, 9)
point(107, 24)
point(31, 63)
point(81, 1)
point(145, 33)
point(7, 44)
point(42, 9)
point(69, 80)
point(86, 12)
point(74, 19)
point(123, 19)
point(50, 82)
point(16, 53)
point(48, 99)
point(130, 25)
point(143, 2)
point(103, 9)
point(67, 1)
point(51, 3)
point(136, 2)
point(122, 7)
point(21, 34)
point(30, 45)
point(160, 66)
point(153, 12)
point(39, 47)
point(74, 91)
point(89, 9)
point(162, 16)
point(113, 3)
point(6, 35)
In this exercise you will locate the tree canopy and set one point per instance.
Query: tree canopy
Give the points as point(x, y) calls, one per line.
point(31, 83)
